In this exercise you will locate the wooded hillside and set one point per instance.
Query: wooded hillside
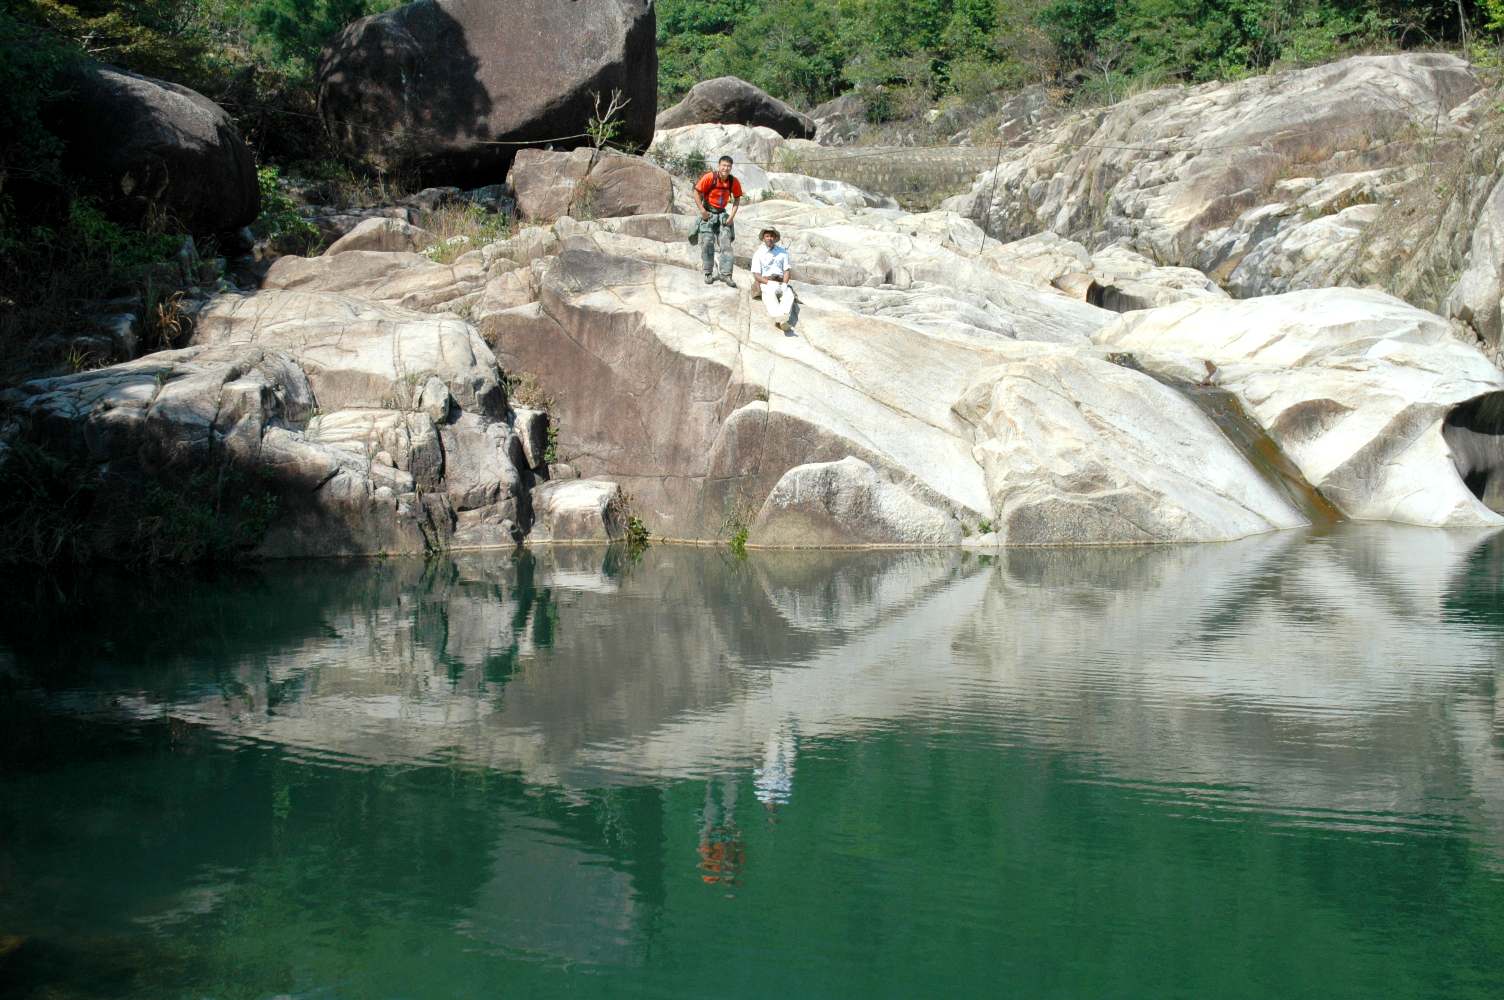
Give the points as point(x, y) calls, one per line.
point(808, 51)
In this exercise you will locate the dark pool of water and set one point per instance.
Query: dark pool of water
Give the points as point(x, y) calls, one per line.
point(1267, 769)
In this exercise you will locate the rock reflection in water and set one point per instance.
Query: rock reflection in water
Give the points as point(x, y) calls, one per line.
point(1344, 680)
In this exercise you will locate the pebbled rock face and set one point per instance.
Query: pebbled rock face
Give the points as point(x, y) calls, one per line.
point(1353, 385)
point(151, 147)
point(429, 84)
point(728, 100)
point(1267, 184)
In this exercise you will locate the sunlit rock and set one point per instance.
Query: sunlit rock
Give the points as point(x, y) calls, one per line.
point(578, 510)
point(1080, 451)
point(1353, 385)
point(1203, 176)
point(847, 502)
point(385, 235)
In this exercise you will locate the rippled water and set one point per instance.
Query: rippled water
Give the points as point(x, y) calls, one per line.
point(1272, 768)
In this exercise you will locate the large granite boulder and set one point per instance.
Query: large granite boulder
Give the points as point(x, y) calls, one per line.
point(1353, 385)
point(1114, 278)
point(357, 352)
point(728, 100)
point(753, 149)
point(934, 386)
point(382, 235)
point(1077, 450)
point(394, 277)
point(204, 414)
point(847, 503)
point(867, 423)
point(588, 183)
point(824, 192)
point(1268, 184)
point(156, 150)
point(578, 510)
point(453, 88)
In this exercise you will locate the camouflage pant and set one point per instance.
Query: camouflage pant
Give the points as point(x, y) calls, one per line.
point(716, 234)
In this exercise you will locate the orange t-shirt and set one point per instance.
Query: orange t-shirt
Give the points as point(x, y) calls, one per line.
point(717, 192)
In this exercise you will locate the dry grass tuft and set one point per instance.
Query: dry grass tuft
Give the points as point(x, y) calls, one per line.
point(460, 228)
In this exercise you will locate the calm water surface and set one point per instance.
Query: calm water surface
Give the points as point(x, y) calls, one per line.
point(1267, 769)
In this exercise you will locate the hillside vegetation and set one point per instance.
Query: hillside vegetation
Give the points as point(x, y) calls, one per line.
point(918, 51)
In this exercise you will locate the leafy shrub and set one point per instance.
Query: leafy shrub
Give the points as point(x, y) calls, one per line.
point(49, 270)
point(689, 161)
point(279, 221)
point(208, 518)
point(637, 535)
point(551, 451)
point(736, 525)
point(811, 50)
point(90, 235)
point(30, 61)
point(56, 510)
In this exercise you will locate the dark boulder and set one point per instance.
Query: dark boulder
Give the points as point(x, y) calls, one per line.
point(588, 184)
point(840, 121)
point(150, 149)
point(453, 88)
point(727, 100)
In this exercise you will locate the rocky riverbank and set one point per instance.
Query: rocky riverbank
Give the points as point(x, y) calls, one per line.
point(1072, 371)
point(937, 387)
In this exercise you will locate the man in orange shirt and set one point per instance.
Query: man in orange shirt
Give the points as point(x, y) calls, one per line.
point(719, 194)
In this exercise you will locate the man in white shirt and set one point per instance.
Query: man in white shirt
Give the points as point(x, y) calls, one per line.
point(772, 270)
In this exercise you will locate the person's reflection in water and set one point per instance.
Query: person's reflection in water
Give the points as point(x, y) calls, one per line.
point(773, 783)
point(722, 853)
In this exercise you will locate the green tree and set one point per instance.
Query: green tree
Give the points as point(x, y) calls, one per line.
point(292, 32)
point(789, 48)
point(30, 61)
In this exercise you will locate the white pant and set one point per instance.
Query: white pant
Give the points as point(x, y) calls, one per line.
point(779, 299)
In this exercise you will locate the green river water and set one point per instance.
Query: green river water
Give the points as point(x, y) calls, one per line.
point(1273, 768)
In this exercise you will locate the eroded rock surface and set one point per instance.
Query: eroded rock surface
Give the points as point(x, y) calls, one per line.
point(698, 405)
point(1476, 296)
point(371, 428)
point(1267, 184)
point(1353, 385)
point(578, 510)
point(1077, 450)
point(383, 235)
